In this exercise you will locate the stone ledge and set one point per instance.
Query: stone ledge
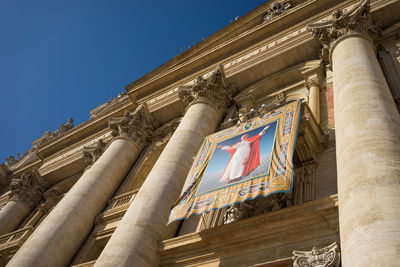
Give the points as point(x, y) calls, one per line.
point(256, 240)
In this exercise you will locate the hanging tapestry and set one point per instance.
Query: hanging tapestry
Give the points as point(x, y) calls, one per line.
point(251, 159)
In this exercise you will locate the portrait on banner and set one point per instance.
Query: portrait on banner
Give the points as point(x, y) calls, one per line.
point(250, 159)
point(240, 158)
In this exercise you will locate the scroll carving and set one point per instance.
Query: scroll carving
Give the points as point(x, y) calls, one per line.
point(93, 152)
point(325, 257)
point(29, 188)
point(311, 82)
point(355, 21)
point(137, 126)
point(214, 90)
point(276, 9)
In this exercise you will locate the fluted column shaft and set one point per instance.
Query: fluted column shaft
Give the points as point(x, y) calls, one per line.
point(12, 215)
point(134, 242)
point(60, 235)
point(368, 156)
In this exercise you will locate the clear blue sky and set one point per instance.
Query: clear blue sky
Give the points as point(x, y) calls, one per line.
point(60, 59)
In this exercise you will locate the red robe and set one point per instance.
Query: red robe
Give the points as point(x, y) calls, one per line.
point(254, 157)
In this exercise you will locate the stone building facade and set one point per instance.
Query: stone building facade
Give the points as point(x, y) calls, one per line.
point(99, 194)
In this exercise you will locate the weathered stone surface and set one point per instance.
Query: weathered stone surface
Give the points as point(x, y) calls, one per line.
point(324, 257)
point(213, 89)
point(354, 22)
point(137, 126)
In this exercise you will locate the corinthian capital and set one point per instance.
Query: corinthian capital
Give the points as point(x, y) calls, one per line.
point(311, 82)
point(93, 152)
point(213, 90)
point(356, 21)
point(328, 257)
point(137, 126)
point(28, 189)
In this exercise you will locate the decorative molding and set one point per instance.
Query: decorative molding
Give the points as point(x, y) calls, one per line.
point(280, 98)
point(137, 126)
point(356, 21)
point(28, 189)
point(49, 136)
point(93, 152)
point(237, 212)
point(277, 9)
point(94, 113)
point(325, 257)
point(213, 90)
point(309, 82)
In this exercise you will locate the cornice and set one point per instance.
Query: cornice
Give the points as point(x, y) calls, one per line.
point(84, 130)
point(157, 79)
point(288, 224)
point(173, 73)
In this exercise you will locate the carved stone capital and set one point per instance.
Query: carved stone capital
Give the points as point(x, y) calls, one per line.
point(213, 90)
point(325, 257)
point(28, 189)
point(311, 82)
point(137, 126)
point(93, 152)
point(356, 21)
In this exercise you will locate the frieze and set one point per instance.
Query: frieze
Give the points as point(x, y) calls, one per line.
point(72, 152)
point(28, 189)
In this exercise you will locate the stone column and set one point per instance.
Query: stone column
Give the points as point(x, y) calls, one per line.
point(367, 141)
point(60, 235)
point(135, 241)
point(25, 195)
point(313, 97)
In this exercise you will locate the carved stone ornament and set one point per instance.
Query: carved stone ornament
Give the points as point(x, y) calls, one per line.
point(214, 90)
point(311, 82)
point(138, 126)
point(355, 21)
point(237, 212)
point(29, 188)
point(93, 152)
point(325, 257)
point(276, 9)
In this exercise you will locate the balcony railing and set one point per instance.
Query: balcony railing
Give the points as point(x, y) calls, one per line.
point(117, 206)
point(11, 242)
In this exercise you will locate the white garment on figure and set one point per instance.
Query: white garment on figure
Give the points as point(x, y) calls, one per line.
point(238, 161)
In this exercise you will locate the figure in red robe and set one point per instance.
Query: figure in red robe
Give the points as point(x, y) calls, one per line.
point(245, 157)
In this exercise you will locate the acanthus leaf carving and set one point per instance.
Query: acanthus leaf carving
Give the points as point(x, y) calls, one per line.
point(29, 188)
point(93, 152)
point(137, 126)
point(213, 89)
point(325, 257)
point(355, 21)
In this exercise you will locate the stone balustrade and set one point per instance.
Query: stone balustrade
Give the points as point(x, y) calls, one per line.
point(11, 242)
point(116, 207)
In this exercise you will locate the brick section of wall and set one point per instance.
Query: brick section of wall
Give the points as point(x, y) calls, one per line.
point(329, 100)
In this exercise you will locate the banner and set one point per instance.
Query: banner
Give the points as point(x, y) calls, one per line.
point(243, 162)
